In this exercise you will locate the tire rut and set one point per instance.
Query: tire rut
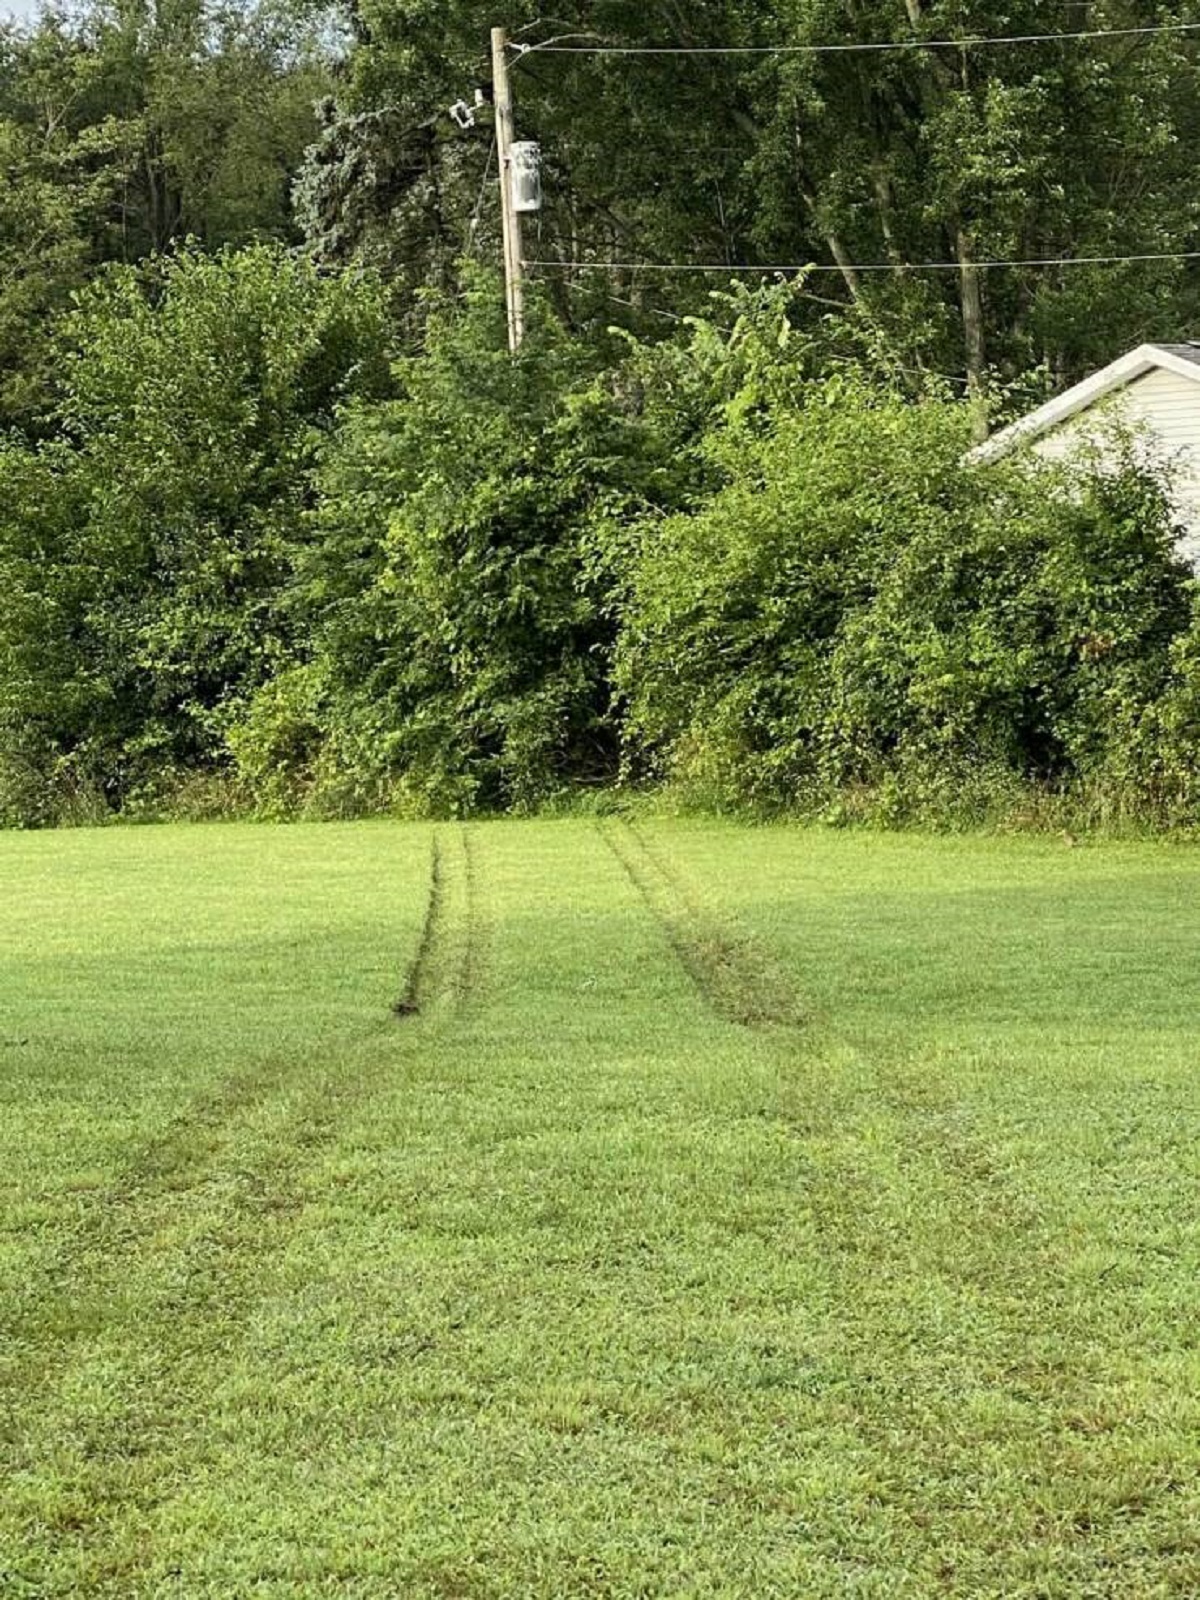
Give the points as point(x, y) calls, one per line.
point(740, 980)
point(245, 1185)
point(447, 966)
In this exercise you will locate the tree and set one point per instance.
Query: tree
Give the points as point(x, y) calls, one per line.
point(125, 129)
point(642, 161)
point(890, 159)
point(456, 640)
point(146, 552)
point(1036, 151)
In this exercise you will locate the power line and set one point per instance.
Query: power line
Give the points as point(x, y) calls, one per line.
point(477, 214)
point(858, 266)
point(976, 42)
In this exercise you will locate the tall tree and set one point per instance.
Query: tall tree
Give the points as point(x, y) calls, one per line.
point(883, 159)
point(1036, 151)
point(126, 128)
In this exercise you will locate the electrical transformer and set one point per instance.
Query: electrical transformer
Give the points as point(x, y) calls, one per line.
point(526, 174)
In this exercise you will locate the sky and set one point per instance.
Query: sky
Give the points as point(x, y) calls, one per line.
point(17, 8)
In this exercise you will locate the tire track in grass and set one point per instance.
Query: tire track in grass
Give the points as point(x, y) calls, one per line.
point(744, 981)
point(448, 961)
point(737, 977)
point(97, 1405)
point(175, 1161)
point(165, 1276)
point(417, 981)
point(177, 1158)
point(935, 1235)
point(903, 1151)
point(913, 1203)
point(891, 1080)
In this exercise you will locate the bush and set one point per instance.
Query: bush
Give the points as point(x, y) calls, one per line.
point(147, 551)
point(458, 626)
point(259, 569)
point(858, 613)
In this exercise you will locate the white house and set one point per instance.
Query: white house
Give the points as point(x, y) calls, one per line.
point(1155, 390)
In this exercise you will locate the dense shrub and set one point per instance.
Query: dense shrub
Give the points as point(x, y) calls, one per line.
point(144, 554)
point(259, 567)
point(459, 638)
point(858, 614)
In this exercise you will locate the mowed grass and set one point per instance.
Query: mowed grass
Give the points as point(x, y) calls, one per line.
point(734, 1213)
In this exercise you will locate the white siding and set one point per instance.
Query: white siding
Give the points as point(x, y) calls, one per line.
point(1167, 407)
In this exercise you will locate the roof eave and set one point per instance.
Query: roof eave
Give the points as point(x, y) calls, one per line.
point(1117, 375)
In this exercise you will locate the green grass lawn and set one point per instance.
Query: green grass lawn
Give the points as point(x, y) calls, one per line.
point(723, 1212)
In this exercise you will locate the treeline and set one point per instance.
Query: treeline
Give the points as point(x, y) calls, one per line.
point(1029, 152)
point(284, 529)
point(128, 126)
point(258, 566)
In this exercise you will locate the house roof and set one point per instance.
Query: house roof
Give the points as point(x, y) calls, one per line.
point(1183, 359)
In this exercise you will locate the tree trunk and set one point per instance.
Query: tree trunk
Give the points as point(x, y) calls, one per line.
point(883, 202)
point(971, 297)
point(833, 239)
point(850, 277)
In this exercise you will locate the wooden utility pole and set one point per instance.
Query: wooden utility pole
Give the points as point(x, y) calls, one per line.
point(513, 267)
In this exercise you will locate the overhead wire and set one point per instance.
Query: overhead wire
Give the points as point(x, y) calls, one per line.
point(859, 266)
point(568, 44)
point(564, 46)
point(477, 214)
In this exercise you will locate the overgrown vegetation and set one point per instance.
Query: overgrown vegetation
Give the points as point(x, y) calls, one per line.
point(857, 620)
point(734, 561)
point(284, 529)
point(146, 548)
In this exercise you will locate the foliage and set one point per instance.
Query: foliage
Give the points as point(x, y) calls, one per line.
point(648, 159)
point(892, 159)
point(462, 591)
point(126, 129)
point(857, 609)
point(145, 554)
point(732, 560)
point(455, 637)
